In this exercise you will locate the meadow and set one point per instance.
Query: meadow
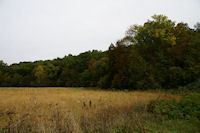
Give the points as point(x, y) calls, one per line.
point(78, 110)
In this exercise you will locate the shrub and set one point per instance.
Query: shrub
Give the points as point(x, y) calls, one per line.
point(194, 86)
point(188, 107)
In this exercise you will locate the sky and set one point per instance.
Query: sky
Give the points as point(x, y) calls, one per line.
point(33, 30)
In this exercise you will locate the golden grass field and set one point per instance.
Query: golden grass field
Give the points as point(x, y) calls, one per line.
point(58, 109)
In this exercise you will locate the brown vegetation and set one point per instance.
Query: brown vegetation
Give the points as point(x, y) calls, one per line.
point(71, 109)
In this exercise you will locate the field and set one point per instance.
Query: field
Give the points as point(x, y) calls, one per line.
point(82, 110)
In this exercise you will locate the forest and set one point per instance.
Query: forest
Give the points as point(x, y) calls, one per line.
point(158, 54)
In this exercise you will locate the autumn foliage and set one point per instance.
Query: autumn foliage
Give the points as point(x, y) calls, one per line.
point(157, 54)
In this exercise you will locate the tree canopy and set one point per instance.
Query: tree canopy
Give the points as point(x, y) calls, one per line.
point(157, 54)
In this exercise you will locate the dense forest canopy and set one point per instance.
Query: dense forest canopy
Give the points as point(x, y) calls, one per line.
point(157, 54)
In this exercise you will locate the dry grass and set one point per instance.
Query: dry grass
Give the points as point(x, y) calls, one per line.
point(69, 109)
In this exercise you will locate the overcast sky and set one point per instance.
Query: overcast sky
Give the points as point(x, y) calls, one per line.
point(46, 29)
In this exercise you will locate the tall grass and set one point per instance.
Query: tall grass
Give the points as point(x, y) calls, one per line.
point(74, 110)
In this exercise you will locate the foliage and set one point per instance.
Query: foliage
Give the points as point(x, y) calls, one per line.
point(192, 87)
point(187, 108)
point(68, 71)
point(157, 54)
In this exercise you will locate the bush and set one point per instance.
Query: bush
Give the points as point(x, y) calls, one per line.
point(194, 86)
point(188, 107)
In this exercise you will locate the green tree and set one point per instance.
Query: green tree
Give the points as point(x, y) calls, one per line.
point(118, 62)
point(40, 75)
point(2, 67)
point(161, 48)
point(98, 70)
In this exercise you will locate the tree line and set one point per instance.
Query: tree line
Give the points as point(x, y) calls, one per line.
point(157, 54)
